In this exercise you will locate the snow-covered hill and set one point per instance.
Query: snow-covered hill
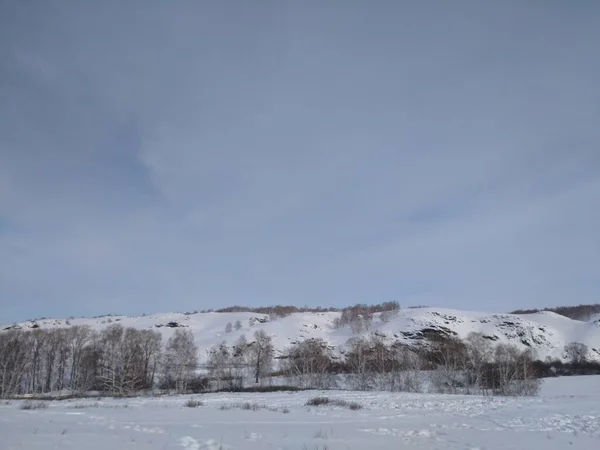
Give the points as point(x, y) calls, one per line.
point(546, 333)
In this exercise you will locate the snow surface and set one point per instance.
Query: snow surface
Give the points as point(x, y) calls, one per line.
point(566, 415)
point(546, 333)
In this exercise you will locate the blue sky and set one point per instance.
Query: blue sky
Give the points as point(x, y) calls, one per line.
point(159, 156)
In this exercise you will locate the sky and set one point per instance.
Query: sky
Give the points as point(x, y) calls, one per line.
point(175, 156)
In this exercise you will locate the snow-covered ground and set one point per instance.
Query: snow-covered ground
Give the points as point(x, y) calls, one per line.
point(546, 333)
point(565, 416)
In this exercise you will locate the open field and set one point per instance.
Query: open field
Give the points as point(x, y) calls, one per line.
point(565, 415)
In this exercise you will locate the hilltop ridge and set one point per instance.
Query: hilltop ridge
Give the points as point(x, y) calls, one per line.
point(545, 333)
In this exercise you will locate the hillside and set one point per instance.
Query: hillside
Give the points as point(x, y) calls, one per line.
point(546, 333)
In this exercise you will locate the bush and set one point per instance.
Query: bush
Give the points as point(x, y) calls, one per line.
point(191, 403)
point(525, 388)
point(198, 385)
point(353, 406)
point(546, 369)
point(85, 405)
point(262, 389)
point(247, 406)
point(29, 405)
point(319, 401)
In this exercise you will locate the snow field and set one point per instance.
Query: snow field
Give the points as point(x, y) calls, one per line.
point(565, 415)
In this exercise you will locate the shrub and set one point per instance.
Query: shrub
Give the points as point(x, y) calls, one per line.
point(247, 406)
point(198, 385)
point(29, 405)
point(262, 389)
point(353, 406)
point(319, 401)
point(84, 405)
point(191, 403)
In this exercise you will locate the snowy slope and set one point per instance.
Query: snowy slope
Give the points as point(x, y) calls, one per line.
point(595, 319)
point(546, 333)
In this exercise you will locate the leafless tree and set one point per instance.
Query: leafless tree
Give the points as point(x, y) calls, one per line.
point(181, 359)
point(261, 355)
point(513, 372)
point(50, 351)
point(237, 325)
point(110, 343)
point(220, 362)
point(576, 352)
point(308, 364)
point(388, 315)
point(358, 317)
point(90, 365)
point(228, 327)
point(78, 338)
point(411, 365)
point(15, 347)
point(240, 355)
point(358, 362)
point(479, 355)
point(35, 374)
point(450, 357)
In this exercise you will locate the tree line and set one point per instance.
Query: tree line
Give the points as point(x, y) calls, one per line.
point(116, 360)
point(126, 361)
point(445, 365)
point(286, 310)
point(579, 312)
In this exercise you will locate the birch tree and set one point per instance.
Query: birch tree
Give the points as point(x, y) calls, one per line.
point(181, 359)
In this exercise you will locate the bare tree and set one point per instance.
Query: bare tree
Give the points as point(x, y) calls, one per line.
point(90, 365)
point(513, 372)
point(110, 343)
point(358, 360)
point(36, 373)
point(308, 363)
point(228, 327)
point(479, 355)
point(240, 355)
point(220, 365)
point(358, 317)
point(181, 359)
point(152, 354)
point(237, 325)
point(51, 350)
point(78, 338)
point(261, 355)
point(15, 347)
point(576, 352)
point(411, 364)
point(388, 315)
point(450, 357)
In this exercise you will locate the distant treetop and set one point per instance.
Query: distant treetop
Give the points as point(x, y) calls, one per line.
point(579, 312)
